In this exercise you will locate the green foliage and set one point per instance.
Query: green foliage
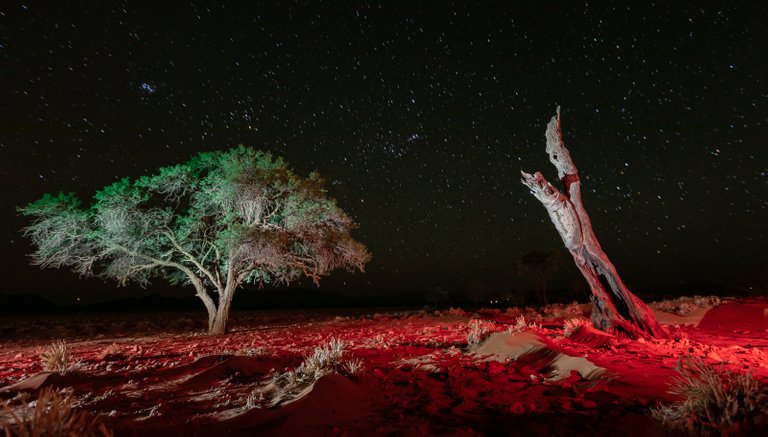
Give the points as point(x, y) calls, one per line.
point(219, 219)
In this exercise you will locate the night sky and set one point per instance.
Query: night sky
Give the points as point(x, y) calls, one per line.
point(420, 115)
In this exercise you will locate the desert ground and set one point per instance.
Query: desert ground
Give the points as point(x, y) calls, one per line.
point(519, 371)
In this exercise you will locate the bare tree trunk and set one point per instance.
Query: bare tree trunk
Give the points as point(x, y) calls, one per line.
point(219, 326)
point(207, 301)
point(614, 307)
point(226, 294)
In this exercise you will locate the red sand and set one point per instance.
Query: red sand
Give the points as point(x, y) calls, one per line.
point(419, 377)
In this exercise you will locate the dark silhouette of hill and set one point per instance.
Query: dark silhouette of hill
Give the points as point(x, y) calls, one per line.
point(26, 303)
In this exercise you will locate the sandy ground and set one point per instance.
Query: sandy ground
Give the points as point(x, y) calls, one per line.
point(420, 377)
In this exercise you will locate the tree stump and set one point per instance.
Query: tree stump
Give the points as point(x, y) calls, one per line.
point(614, 307)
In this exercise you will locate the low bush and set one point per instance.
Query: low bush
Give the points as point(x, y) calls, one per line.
point(572, 325)
point(56, 358)
point(53, 414)
point(714, 402)
point(478, 331)
point(285, 387)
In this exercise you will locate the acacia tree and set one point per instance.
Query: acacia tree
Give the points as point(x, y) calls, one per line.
point(218, 221)
point(614, 307)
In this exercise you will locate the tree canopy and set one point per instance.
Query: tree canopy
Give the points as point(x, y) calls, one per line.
point(216, 221)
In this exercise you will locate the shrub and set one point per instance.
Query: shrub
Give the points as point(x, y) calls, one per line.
point(685, 305)
point(285, 387)
point(478, 331)
point(521, 325)
point(714, 402)
point(53, 414)
point(253, 352)
point(324, 359)
point(572, 325)
point(353, 368)
point(56, 358)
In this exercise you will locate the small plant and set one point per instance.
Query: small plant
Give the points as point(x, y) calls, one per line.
point(253, 352)
point(285, 387)
point(53, 414)
point(478, 331)
point(324, 359)
point(113, 352)
point(714, 402)
point(572, 325)
point(254, 400)
point(112, 349)
point(521, 325)
point(353, 367)
point(56, 358)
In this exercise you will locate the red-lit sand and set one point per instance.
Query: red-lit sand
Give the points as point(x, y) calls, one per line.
point(419, 377)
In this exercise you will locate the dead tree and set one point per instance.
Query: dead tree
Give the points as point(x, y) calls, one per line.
point(614, 307)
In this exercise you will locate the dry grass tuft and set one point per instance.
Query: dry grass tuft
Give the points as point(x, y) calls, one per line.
point(353, 368)
point(478, 331)
point(52, 414)
point(522, 325)
point(253, 352)
point(685, 305)
point(285, 387)
point(56, 358)
point(714, 402)
point(572, 325)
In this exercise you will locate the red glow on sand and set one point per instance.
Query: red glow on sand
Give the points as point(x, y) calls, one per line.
point(419, 376)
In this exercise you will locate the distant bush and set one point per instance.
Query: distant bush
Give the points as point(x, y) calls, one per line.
point(53, 414)
point(715, 402)
point(685, 305)
point(561, 310)
point(56, 358)
point(456, 313)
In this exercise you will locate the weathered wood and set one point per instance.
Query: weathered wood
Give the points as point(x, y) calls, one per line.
point(614, 307)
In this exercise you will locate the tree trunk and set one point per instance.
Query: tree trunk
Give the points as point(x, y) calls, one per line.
point(207, 301)
point(219, 326)
point(614, 307)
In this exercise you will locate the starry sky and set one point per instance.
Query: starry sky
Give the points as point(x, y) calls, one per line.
point(420, 115)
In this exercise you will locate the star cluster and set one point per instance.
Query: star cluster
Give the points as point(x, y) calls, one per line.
point(420, 115)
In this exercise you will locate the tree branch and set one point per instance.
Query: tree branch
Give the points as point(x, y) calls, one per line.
point(558, 154)
point(194, 261)
point(196, 282)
